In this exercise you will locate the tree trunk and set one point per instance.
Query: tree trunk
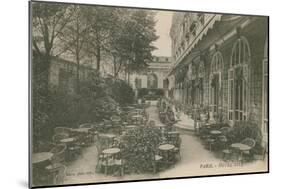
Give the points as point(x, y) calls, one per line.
point(78, 74)
point(98, 58)
point(114, 67)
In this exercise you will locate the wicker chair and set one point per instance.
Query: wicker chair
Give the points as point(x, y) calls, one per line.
point(176, 150)
point(86, 125)
point(115, 118)
point(58, 137)
point(100, 145)
point(152, 123)
point(156, 160)
point(225, 130)
point(119, 163)
point(62, 130)
point(247, 153)
point(87, 139)
point(59, 178)
point(59, 154)
point(55, 173)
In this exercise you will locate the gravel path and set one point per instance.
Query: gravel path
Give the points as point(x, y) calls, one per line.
point(196, 160)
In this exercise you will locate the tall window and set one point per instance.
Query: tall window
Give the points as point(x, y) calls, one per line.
point(166, 84)
point(265, 89)
point(238, 80)
point(216, 69)
point(200, 88)
point(152, 81)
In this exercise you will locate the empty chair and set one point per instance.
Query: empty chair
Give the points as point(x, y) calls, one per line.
point(115, 119)
point(156, 160)
point(62, 130)
point(251, 143)
point(59, 153)
point(225, 130)
point(86, 139)
point(176, 150)
point(101, 144)
point(151, 123)
point(60, 175)
point(119, 162)
point(58, 137)
point(56, 173)
point(86, 125)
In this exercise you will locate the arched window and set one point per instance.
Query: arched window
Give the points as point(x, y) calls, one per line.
point(238, 80)
point(152, 81)
point(215, 81)
point(217, 62)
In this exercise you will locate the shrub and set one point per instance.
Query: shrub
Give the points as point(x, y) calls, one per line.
point(138, 147)
point(120, 91)
point(245, 129)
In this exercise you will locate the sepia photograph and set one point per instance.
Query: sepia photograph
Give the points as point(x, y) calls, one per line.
point(120, 94)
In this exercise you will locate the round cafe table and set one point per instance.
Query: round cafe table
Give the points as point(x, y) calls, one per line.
point(137, 116)
point(131, 126)
point(166, 147)
point(81, 130)
point(111, 151)
point(109, 154)
point(215, 132)
point(173, 133)
point(41, 157)
point(106, 135)
point(241, 147)
point(67, 140)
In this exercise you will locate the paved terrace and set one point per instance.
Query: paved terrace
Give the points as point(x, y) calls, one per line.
point(196, 160)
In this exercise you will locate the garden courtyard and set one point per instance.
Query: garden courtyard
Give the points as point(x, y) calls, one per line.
point(195, 160)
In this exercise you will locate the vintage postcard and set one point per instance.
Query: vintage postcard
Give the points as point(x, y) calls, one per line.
point(125, 94)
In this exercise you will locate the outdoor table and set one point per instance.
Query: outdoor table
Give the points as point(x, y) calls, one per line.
point(131, 126)
point(173, 133)
point(241, 147)
point(39, 162)
point(81, 130)
point(41, 157)
point(111, 151)
point(137, 116)
point(215, 132)
point(67, 140)
point(105, 135)
point(125, 123)
point(166, 148)
point(138, 110)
